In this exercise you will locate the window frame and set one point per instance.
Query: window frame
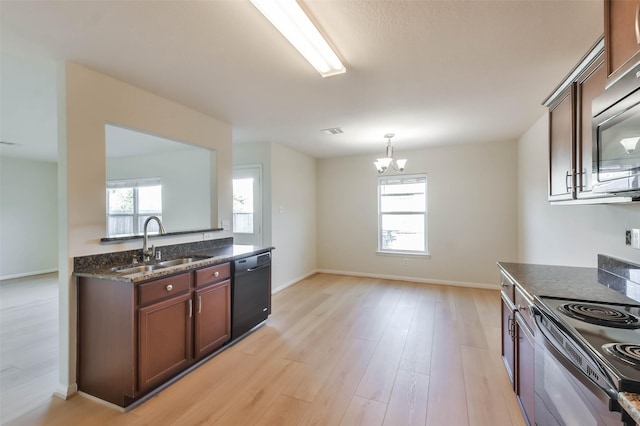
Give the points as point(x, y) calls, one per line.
point(134, 184)
point(386, 251)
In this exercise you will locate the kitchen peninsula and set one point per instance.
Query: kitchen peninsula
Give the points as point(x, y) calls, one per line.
point(142, 326)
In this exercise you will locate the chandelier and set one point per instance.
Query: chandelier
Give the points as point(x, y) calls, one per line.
point(382, 164)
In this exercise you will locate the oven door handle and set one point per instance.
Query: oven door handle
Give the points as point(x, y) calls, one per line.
point(560, 354)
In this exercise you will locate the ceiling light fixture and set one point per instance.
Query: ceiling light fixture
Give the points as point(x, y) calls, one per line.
point(332, 131)
point(289, 18)
point(382, 164)
point(630, 144)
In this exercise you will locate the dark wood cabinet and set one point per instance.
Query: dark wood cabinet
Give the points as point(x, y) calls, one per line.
point(134, 337)
point(561, 146)
point(212, 318)
point(589, 85)
point(622, 36)
point(570, 135)
point(525, 350)
point(518, 346)
point(107, 340)
point(164, 340)
point(508, 339)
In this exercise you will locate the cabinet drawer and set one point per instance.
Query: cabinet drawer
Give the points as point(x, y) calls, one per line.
point(213, 274)
point(508, 288)
point(162, 288)
point(522, 305)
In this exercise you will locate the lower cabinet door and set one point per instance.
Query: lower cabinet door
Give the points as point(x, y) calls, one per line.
point(508, 344)
point(213, 318)
point(164, 340)
point(526, 390)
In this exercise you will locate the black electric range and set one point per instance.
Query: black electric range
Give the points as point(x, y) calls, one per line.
point(608, 333)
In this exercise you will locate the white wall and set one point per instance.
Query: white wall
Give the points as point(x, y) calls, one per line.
point(471, 215)
point(293, 212)
point(28, 217)
point(87, 101)
point(246, 154)
point(571, 235)
point(289, 208)
point(186, 184)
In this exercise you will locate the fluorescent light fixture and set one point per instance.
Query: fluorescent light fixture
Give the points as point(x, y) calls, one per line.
point(289, 18)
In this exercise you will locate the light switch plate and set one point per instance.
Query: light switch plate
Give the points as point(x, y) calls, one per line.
point(635, 238)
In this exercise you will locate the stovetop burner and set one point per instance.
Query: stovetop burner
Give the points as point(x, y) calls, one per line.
point(627, 352)
point(600, 315)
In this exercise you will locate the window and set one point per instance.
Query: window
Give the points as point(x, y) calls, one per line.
point(243, 205)
point(402, 214)
point(130, 202)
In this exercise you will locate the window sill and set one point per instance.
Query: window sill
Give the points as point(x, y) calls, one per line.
point(403, 254)
point(168, 234)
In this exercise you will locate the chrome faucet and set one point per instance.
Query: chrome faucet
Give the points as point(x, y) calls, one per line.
point(146, 252)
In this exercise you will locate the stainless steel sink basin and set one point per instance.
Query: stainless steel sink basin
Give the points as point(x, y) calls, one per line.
point(136, 269)
point(180, 261)
point(165, 264)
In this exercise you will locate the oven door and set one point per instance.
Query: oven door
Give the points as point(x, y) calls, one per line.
point(564, 394)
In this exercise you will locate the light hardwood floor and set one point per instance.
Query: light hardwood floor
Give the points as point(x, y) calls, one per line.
point(28, 343)
point(339, 351)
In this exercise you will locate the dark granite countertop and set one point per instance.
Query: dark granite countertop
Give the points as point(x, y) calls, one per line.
point(575, 283)
point(563, 281)
point(214, 256)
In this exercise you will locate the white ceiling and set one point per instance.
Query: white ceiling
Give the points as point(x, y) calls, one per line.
point(432, 72)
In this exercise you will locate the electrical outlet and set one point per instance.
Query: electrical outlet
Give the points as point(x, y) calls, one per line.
point(635, 238)
point(226, 225)
point(405, 261)
point(207, 236)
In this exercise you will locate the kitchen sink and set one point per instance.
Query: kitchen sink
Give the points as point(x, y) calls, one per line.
point(136, 269)
point(160, 265)
point(180, 261)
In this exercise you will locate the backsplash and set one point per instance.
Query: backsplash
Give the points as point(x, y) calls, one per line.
point(619, 275)
point(105, 260)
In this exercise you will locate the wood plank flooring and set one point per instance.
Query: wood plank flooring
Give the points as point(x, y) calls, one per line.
point(339, 351)
point(28, 343)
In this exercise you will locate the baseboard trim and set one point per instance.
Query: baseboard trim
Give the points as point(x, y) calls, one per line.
point(65, 392)
point(411, 279)
point(292, 282)
point(102, 402)
point(28, 274)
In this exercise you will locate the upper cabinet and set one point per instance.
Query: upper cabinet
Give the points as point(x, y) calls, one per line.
point(622, 36)
point(570, 138)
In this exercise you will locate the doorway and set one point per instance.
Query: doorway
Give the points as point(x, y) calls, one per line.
point(247, 205)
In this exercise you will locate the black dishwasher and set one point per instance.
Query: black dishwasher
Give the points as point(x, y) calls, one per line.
point(250, 293)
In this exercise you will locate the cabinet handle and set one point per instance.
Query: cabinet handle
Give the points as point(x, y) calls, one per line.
point(583, 179)
point(638, 23)
point(169, 287)
point(190, 309)
point(510, 327)
point(199, 304)
point(568, 185)
point(216, 273)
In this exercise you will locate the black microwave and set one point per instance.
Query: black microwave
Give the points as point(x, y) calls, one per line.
point(616, 138)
